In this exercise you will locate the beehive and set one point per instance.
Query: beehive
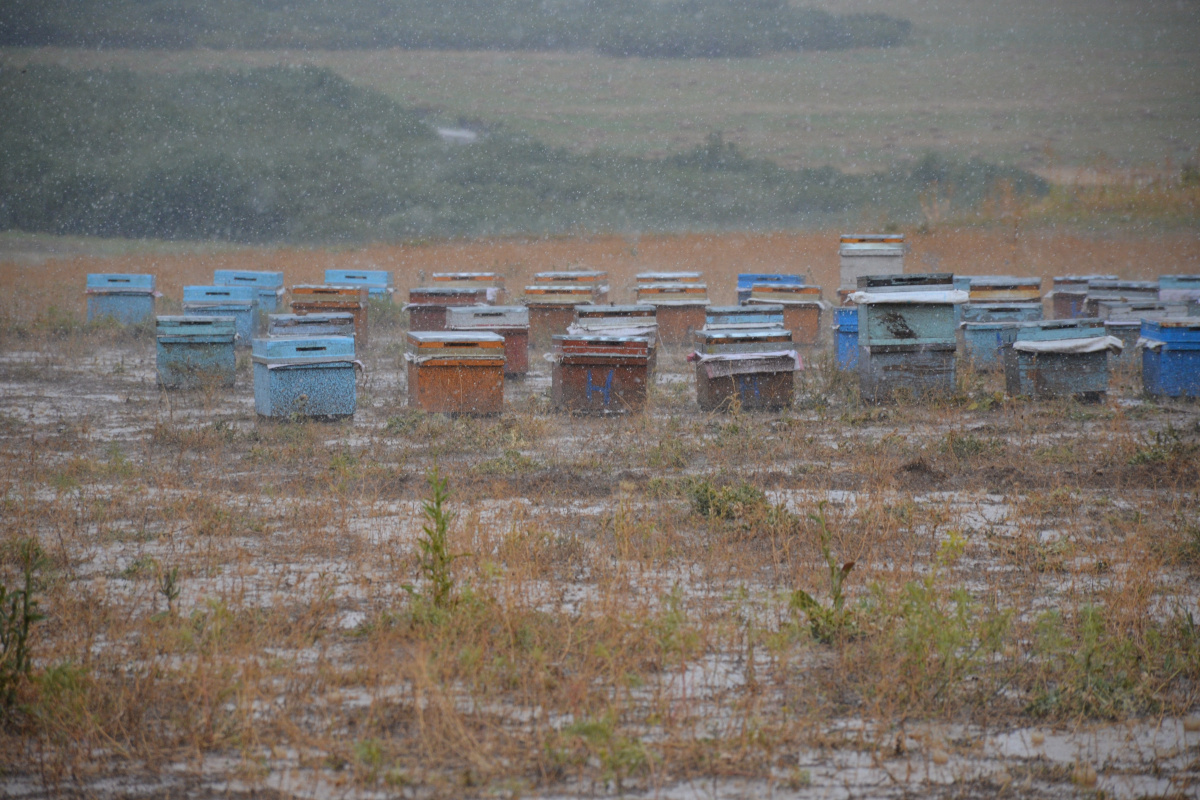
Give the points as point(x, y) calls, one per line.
point(762, 315)
point(1120, 291)
point(456, 372)
point(339, 323)
point(238, 302)
point(552, 309)
point(802, 308)
point(1178, 288)
point(267, 286)
point(845, 337)
point(1117, 309)
point(310, 376)
point(126, 297)
point(194, 351)
point(679, 309)
point(377, 282)
point(670, 276)
point(747, 280)
point(1171, 357)
point(754, 369)
point(621, 321)
point(427, 304)
point(980, 334)
point(863, 254)
point(492, 282)
point(1003, 289)
point(510, 322)
point(595, 279)
point(1070, 291)
point(320, 299)
point(594, 374)
point(1057, 358)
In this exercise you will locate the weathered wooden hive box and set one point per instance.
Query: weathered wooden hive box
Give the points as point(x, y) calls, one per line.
point(863, 254)
point(456, 372)
point(338, 323)
point(427, 305)
point(1178, 288)
point(594, 279)
point(239, 302)
point(552, 309)
point(1069, 292)
point(802, 308)
point(1004, 289)
point(195, 351)
point(311, 376)
point(747, 280)
point(319, 299)
point(1171, 357)
point(670, 276)
point(267, 286)
point(980, 331)
point(126, 297)
point(623, 321)
point(377, 282)
point(906, 335)
point(743, 317)
point(679, 309)
point(593, 374)
point(510, 322)
point(1057, 358)
point(493, 282)
point(845, 337)
point(1118, 291)
point(754, 369)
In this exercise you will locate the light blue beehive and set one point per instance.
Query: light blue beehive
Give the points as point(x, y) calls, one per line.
point(268, 286)
point(980, 333)
point(743, 317)
point(338, 323)
point(126, 297)
point(311, 376)
point(377, 281)
point(223, 301)
point(1045, 375)
point(195, 351)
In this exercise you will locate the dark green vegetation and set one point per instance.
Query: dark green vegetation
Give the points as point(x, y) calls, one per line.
point(677, 28)
point(299, 154)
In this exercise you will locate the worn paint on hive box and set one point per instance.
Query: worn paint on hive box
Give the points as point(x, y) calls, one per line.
point(126, 297)
point(320, 298)
point(456, 372)
point(510, 322)
point(304, 376)
point(194, 352)
point(599, 374)
point(238, 302)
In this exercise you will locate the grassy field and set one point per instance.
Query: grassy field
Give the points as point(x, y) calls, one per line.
point(1044, 85)
point(236, 607)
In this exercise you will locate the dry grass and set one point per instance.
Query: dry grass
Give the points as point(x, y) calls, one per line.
point(225, 597)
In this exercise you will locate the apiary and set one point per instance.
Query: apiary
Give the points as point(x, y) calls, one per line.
point(845, 337)
point(340, 323)
point(510, 322)
point(267, 286)
point(126, 297)
point(743, 317)
point(1058, 358)
point(238, 302)
point(377, 282)
point(552, 309)
point(754, 369)
point(595, 279)
point(1069, 292)
point(679, 309)
point(596, 374)
point(456, 372)
point(1171, 357)
point(193, 351)
point(864, 254)
point(802, 308)
point(1178, 288)
point(427, 305)
point(1120, 291)
point(321, 299)
point(906, 336)
point(747, 280)
point(312, 376)
point(493, 282)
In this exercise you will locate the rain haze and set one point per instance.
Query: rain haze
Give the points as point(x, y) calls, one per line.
point(478, 484)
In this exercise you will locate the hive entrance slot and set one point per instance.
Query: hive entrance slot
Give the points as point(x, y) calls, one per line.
point(309, 349)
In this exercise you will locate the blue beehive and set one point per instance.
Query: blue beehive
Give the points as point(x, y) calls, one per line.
point(747, 280)
point(743, 317)
point(980, 333)
point(377, 281)
point(268, 286)
point(195, 351)
point(127, 298)
point(311, 376)
point(845, 337)
point(223, 301)
point(1178, 288)
point(1080, 373)
point(338, 323)
point(1171, 357)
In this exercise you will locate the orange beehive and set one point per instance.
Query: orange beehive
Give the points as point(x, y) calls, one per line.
point(319, 298)
point(802, 307)
point(455, 372)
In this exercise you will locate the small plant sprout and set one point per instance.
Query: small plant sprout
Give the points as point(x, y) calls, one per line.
point(827, 623)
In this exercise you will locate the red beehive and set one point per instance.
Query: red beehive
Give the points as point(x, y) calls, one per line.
point(599, 374)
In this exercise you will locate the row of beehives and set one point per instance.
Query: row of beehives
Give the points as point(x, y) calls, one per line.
point(905, 333)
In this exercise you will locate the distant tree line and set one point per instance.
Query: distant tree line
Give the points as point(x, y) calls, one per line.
point(298, 154)
point(651, 28)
